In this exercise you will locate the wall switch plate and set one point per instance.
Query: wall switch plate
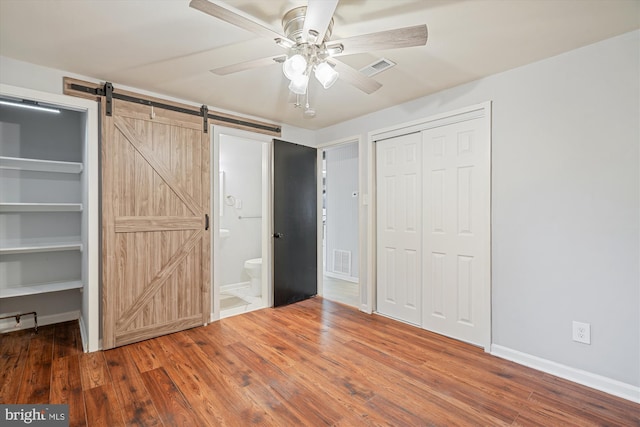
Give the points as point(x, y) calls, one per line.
point(582, 332)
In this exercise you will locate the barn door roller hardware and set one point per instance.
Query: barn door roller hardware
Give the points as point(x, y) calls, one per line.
point(110, 93)
point(204, 110)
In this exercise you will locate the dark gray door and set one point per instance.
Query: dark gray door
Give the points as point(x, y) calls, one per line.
point(295, 223)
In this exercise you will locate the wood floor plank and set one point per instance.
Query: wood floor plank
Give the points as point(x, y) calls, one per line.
point(290, 383)
point(102, 406)
point(260, 391)
point(36, 376)
point(143, 356)
point(225, 379)
point(14, 349)
point(169, 402)
point(67, 341)
point(308, 364)
point(250, 384)
point(93, 369)
point(135, 401)
point(209, 396)
point(66, 388)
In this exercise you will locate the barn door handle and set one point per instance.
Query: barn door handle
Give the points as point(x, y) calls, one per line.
point(206, 221)
point(278, 235)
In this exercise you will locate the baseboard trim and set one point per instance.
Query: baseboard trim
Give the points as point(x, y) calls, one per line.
point(83, 335)
point(341, 277)
point(234, 286)
point(9, 325)
point(595, 381)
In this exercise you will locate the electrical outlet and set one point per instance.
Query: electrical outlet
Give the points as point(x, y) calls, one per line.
point(582, 332)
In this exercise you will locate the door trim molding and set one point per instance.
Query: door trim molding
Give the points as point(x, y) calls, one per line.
point(362, 247)
point(267, 222)
point(481, 110)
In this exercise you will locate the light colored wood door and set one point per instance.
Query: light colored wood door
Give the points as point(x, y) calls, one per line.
point(399, 227)
point(155, 248)
point(457, 231)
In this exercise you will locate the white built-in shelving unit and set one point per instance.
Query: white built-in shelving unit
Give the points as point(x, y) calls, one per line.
point(49, 210)
point(40, 207)
point(39, 165)
point(28, 178)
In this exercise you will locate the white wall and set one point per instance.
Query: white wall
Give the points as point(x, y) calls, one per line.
point(342, 207)
point(565, 201)
point(24, 74)
point(241, 161)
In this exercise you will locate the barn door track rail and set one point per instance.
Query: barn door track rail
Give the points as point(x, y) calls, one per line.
point(96, 91)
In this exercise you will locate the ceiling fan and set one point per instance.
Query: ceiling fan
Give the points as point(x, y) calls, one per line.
point(306, 35)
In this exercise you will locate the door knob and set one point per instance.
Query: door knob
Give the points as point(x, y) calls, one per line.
point(278, 235)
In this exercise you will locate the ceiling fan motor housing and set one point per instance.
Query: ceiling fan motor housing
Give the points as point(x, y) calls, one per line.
point(293, 23)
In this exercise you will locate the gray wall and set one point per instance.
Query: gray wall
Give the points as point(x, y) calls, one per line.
point(565, 201)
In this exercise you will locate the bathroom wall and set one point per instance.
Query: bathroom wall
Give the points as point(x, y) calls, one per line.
point(342, 210)
point(241, 163)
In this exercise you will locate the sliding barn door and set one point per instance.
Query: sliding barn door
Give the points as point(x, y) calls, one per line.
point(155, 249)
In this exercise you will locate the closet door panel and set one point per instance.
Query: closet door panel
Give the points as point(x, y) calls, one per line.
point(155, 246)
point(399, 228)
point(457, 211)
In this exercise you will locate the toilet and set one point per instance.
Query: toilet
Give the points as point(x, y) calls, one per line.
point(254, 270)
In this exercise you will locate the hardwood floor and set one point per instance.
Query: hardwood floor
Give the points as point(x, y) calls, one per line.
point(312, 363)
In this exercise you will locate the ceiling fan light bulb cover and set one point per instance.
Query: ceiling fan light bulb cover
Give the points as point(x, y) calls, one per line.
point(294, 66)
point(326, 75)
point(299, 84)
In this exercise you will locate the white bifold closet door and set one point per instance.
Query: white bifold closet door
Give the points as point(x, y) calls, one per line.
point(433, 229)
point(399, 231)
point(456, 182)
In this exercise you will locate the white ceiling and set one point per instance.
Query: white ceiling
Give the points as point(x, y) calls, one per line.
point(166, 47)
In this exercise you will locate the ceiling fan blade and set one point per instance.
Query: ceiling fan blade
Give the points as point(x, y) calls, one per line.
point(235, 17)
point(248, 65)
point(391, 39)
point(317, 18)
point(355, 77)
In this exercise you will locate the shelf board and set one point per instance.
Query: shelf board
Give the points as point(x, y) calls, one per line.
point(18, 163)
point(31, 249)
point(40, 207)
point(20, 291)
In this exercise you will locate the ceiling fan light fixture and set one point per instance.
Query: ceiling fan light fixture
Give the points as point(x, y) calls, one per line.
point(299, 84)
point(294, 66)
point(326, 75)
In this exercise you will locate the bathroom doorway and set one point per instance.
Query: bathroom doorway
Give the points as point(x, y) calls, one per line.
point(340, 224)
point(241, 254)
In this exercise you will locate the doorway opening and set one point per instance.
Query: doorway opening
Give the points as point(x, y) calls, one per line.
point(340, 224)
point(241, 273)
